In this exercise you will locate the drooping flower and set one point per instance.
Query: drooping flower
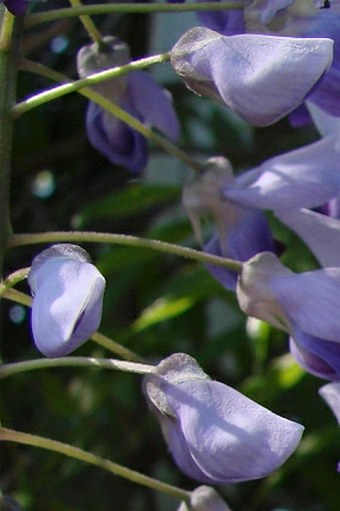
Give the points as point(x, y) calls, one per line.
point(305, 305)
point(299, 18)
point(204, 498)
point(241, 232)
point(260, 77)
point(215, 434)
point(307, 177)
point(135, 92)
point(67, 299)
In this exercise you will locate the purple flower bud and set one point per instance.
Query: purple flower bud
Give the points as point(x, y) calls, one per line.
point(261, 77)
point(204, 498)
point(135, 92)
point(215, 434)
point(67, 295)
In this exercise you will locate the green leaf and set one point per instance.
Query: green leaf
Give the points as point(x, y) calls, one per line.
point(133, 200)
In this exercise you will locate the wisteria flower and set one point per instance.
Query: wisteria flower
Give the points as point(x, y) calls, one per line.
point(67, 299)
point(135, 92)
point(305, 305)
point(297, 18)
point(291, 18)
point(307, 177)
point(204, 498)
point(241, 232)
point(260, 77)
point(215, 434)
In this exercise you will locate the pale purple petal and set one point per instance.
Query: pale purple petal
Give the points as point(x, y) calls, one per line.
point(331, 394)
point(326, 95)
point(306, 177)
point(320, 232)
point(246, 237)
point(67, 303)
point(315, 355)
point(153, 103)
point(233, 70)
point(227, 278)
point(214, 433)
point(300, 117)
point(116, 140)
point(230, 438)
point(327, 125)
point(311, 300)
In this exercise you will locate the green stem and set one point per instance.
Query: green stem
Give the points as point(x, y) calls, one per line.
point(57, 14)
point(11, 435)
point(7, 97)
point(6, 31)
point(81, 87)
point(13, 279)
point(18, 240)
point(98, 338)
point(18, 297)
point(8, 67)
point(115, 347)
point(88, 24)
point(100, 363)
point(76, 85)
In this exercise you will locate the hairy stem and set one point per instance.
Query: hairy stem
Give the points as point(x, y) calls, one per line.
point(11, 435)
point(99, 363)
point(122, 239)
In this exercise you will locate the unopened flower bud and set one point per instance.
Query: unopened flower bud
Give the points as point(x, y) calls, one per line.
point(67, 299)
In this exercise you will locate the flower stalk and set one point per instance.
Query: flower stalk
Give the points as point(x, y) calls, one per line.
point(72, 12)
point(20, 437)
point(7, 99)
point(17, 240)
point(88, 24)
point(7, 370)
point(13, 279)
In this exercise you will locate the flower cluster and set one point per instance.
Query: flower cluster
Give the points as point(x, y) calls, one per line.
point(269, 60)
